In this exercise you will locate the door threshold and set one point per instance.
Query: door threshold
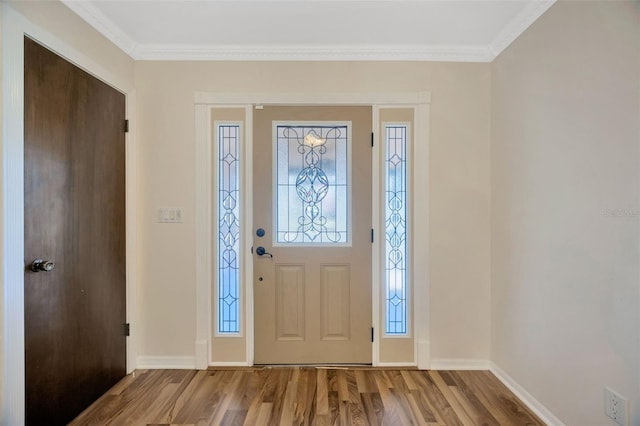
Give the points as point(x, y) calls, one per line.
point(336, 366)
point(328, 366)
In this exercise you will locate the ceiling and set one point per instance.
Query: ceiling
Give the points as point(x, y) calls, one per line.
point(416, 30)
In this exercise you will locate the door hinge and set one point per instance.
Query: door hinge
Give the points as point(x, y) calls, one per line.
point(371, 234)
point(372, 334)
point(126, 126)
point(127, 329)
point(372, 139)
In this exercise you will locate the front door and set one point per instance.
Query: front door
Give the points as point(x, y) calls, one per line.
point(74, 185)
point(312, 236)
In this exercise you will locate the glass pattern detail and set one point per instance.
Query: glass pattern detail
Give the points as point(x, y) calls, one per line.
point(228, 219)
point(312, 184)
point(395, 261)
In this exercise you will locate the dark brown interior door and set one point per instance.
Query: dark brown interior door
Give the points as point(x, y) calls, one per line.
point(74, 216)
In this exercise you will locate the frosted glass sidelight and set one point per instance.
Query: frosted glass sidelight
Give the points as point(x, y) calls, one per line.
point(395, 261)
point(228, 215)
point(312, 184)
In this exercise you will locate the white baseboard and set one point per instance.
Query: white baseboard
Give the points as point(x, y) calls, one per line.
point(166, 362)
point(524, 396)
point(229, 364)
point(460, 364)
point(396, 364)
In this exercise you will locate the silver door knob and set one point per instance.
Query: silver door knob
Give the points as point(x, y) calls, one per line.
point(42, 265)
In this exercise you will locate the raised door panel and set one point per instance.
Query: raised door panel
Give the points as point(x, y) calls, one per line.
point(290, 307)
point(334, 302)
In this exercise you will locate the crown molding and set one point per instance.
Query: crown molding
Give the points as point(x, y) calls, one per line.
point(312, 53)
point(179, 52)
point(94, 17)
point(519, 25)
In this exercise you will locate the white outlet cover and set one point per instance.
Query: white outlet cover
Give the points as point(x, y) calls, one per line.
point(616, 406)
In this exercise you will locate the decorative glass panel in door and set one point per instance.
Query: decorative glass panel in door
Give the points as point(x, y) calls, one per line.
point(312, 183)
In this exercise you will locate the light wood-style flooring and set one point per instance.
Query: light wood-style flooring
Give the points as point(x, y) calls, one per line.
point(309, 396)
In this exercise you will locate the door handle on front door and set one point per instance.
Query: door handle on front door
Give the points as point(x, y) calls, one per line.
point(261, 251)
point(42, 265)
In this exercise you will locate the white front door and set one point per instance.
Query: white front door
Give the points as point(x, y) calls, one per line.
point(312, 234)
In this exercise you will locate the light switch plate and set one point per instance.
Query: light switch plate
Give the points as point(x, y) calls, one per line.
point(169, 215)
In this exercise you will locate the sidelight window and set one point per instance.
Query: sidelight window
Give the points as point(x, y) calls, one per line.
point(228, 220)
point(395, 222)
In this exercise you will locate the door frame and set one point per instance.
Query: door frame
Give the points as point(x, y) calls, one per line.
point(205, 102)
point(12, 367)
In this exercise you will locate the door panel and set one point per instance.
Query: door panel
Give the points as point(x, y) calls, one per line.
point(335, 287)
point(313, 302)
point(74, 215)
point(290, 306)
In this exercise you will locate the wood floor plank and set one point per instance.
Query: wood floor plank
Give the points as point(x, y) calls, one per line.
point(231, 386)
point(428, 413)
point(173, 393)
point(310, 397)
point(142, 398)
point(186, 396)
point(266, 396)
point(422, 417)
point(393, 415)
point(373, 408)
point(451, 399)
point(322, 395)
point(362, 382)
point(480, 412)
point(431, 396)
point(264, 414)
point(201, 399)
point(290, 394)
point(408, 380)
point(334, 408)
point(278, 398)
point(343, 389)
point(352, 386)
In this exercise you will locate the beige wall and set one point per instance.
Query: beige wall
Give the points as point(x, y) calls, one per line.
point(561, 242)
point(459, 193)
point(55, 18)
point(565, 206)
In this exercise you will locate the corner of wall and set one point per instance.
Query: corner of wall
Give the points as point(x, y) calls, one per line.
point(534, 405)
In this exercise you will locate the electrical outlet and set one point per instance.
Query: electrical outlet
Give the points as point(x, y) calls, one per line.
point(616, 407)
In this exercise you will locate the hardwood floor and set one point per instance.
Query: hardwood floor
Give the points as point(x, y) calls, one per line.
point(309, 396)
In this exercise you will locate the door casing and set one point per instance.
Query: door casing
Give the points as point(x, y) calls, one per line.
point(205, 102)
point(14, 28)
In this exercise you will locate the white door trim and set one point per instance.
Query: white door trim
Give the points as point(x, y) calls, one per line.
point(12, 367)
point(204, 102)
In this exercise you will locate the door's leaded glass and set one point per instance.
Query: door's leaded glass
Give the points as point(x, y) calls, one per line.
point(228, 215)
point(395, 229)
point(312, 184)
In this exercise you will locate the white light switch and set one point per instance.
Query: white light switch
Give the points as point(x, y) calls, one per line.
point(169, 214)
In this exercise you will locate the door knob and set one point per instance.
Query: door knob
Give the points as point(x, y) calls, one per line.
point(261, 251)
point(42, 265)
